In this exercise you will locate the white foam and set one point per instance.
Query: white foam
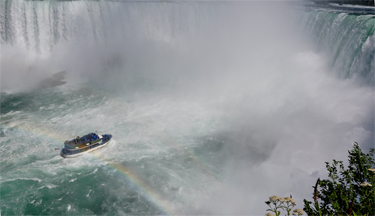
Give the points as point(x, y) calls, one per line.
point(93, 172)
point(49, 186)
point(28, 179)
point(88, 194)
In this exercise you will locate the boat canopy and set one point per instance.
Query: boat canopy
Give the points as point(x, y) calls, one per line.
point(91, 137)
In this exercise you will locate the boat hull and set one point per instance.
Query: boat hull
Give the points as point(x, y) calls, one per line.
point(85, 151)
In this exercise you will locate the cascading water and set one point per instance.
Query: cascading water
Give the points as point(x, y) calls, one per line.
point(213, 106)
point(347, 37)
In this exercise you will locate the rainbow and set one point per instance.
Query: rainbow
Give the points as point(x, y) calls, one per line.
point(151, 194)
point(30, 130)
point(162, 203)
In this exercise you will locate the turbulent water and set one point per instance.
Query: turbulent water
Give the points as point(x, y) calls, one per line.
point(213, 106)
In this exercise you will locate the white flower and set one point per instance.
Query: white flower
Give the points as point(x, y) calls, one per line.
point(275, 198)
point(298, 212)
point(364, 184)
point(291, 200)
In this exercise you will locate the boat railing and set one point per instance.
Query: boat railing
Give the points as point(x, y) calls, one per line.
point(82, 145)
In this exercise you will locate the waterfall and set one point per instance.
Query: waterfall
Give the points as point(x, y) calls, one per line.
point(40, 25)
point(348, 39)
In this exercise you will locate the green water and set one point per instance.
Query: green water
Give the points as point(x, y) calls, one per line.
point(347, 38)
point(115, 180)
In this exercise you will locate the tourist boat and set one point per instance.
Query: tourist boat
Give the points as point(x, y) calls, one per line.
point(87, 143)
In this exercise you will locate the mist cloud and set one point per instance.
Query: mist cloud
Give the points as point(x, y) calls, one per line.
point(286, 113)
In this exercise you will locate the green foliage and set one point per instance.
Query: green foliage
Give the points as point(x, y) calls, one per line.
point(343, 193)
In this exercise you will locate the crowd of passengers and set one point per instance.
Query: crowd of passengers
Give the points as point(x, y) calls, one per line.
point(88, 138)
